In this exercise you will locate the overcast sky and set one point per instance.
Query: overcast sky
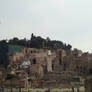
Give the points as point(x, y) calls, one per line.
point(67, 20)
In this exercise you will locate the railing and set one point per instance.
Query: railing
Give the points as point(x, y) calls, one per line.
point(42, 90)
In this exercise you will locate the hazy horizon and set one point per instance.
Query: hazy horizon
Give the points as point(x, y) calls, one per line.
point(66, 20)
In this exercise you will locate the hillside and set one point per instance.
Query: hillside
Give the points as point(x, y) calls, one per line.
point(7, 47)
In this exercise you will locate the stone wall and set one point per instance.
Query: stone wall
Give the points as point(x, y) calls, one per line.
point(57, 62)
point(88, 84)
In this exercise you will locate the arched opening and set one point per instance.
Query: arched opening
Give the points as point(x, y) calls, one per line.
point(34, 61)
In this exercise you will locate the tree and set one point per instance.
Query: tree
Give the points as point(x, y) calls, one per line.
point(69, 47)
point(4, 53)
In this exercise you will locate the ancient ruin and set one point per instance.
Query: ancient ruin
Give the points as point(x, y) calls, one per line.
point(48, 68)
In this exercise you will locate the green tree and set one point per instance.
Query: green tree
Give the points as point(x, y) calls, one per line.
point(4, 53)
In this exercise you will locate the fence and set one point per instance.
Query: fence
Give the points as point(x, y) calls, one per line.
point(42, 90)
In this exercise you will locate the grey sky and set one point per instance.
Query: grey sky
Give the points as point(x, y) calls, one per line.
point(66, 20)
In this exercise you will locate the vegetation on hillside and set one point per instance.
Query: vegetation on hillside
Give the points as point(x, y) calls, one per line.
point(34, 42)
point(39, 42)
point(3, 53)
